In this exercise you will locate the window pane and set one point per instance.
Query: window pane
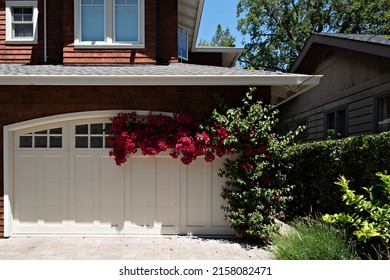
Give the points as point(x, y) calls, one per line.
point(384, 114)
point(182, 42)
point(92, 23)
point(25, 141)
point(27, 11)
point(81, 142)
point(107, 128)
point(55, 142)
point(18, 11)
point(97, 128)
point(96, 142)
point(120, 2)
point(23, 30)
point(341, 123)
point(86, 2)
point(126, 23)
point(82, 129)
point(98, 2)
point(40, 142)
point(27, 18)
point(56, 131)
point(41, 132)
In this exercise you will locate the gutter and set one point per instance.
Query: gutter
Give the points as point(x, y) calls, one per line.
point(293, 83)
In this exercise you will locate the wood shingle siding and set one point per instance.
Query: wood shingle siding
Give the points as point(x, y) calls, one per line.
point(161, 21)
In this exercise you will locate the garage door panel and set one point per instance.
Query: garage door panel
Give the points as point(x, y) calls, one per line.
point(97, 193)
point(40, 191)
point(217, 213)
point(27, 165)
point(197, 198)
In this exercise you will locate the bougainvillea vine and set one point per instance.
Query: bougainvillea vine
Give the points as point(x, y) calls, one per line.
point(179, 134)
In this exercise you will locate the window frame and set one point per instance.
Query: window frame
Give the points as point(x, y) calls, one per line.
point(377, 110)
point(336, 111)
point(109, 29)
point(9, 6)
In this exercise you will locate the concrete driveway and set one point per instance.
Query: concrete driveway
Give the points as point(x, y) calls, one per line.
point(128, 248)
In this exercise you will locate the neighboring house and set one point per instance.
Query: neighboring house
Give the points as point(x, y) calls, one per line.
point(354, 95)
point(66, 67)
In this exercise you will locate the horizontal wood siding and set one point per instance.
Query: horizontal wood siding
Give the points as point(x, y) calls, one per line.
point(350, 80)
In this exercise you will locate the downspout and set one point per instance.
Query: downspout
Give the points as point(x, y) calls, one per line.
point(44, 32)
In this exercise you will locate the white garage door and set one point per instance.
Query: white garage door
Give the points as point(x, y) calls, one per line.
point(65, 183)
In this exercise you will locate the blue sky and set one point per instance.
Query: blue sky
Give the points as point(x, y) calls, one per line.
point(219, 12)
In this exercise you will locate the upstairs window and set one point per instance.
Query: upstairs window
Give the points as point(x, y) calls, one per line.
point(109, 23)
point(182, 43)
point(21, 22)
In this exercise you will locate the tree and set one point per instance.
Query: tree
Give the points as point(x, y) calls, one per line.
point(222, 38)
point(279, 29)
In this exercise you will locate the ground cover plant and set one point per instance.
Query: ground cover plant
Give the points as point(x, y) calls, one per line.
point(312, 239)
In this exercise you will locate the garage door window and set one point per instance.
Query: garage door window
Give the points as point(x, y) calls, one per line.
point(92, 136)
point(49, 138)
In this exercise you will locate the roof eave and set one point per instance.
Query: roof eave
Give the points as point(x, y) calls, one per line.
point(161, 80)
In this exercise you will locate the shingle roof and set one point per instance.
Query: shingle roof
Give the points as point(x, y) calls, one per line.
point(369, 38)
point(174, 69)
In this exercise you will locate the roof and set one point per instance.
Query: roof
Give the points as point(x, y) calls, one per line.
point(283, 85)
point(369, 38)
point(365, 43)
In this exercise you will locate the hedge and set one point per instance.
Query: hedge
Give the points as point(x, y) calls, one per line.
point(318, 165)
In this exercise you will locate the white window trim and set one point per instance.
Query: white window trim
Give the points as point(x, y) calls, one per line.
point(109, 42)
point(8, 8)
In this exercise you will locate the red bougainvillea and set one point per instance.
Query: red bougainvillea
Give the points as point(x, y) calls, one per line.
point(180, 134)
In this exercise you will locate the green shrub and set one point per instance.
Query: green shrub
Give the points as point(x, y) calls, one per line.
point(313, 240)
point(370, 216)
point(256, 191)
point(317, 164)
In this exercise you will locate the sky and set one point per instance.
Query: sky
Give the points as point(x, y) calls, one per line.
point(219, 12)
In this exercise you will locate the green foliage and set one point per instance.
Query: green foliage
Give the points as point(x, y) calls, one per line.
point(370, 216)
point(313, 240)
point(317, 164)
point(256, 190)
point(278, 29)
point(222, 38)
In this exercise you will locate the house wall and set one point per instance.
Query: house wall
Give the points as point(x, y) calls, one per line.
point(351, 80)
point(21, 53)
point(161, 21)
point(21, 103)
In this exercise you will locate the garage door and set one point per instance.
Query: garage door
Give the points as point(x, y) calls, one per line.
point(65, 183)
